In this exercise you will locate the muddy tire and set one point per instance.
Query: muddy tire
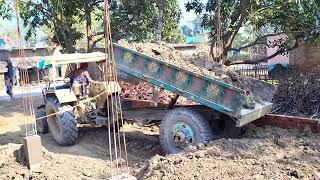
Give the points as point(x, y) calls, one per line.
point(181, 128)
point(42, 124)
point(63, 125)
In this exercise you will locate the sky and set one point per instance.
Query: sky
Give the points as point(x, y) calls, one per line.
point(187, 17)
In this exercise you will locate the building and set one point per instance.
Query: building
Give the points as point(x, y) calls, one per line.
point(32, 57)
point(306, 58)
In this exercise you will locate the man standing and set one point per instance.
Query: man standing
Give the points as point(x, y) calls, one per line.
point(8, 83)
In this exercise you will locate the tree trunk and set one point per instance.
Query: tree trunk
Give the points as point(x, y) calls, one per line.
point(90, 43)
point(217, 47)
point(68, 42)
point(160, 20)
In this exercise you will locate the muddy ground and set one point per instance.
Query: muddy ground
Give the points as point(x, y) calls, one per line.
point(260, 153)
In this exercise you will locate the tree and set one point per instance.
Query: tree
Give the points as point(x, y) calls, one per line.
point(171, 31)
point(168, 18)
point(160, 19)
point(58, 16)
point(197, 25)
point(136, 20)
point(5, 9)
point(186, 30)
point(92, 9)
point(69, 22)
point(133, 20)
point(298, 21)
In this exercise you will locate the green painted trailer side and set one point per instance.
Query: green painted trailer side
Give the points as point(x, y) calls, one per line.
point(206, 91)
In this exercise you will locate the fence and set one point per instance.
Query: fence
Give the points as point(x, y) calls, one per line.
point(256, 71)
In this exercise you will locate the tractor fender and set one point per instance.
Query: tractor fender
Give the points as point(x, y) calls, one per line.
point(65, 95)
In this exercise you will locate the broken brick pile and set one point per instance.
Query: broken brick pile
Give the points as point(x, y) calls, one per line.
point(146, 91)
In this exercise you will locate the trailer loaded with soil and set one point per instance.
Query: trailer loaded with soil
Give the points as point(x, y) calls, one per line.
point(219, 108)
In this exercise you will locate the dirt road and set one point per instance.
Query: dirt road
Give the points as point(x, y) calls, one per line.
point(261, 153)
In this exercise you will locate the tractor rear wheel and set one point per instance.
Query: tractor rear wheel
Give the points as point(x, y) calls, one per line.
point(41, 122)
point(183, 127)
point(62, 122)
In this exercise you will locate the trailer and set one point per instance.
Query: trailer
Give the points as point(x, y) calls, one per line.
point(220, 112)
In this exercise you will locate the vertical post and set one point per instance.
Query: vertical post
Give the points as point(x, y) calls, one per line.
point(38, 74)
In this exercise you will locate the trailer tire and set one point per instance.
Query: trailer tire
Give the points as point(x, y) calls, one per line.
point(181, 128)
point(42, 124)
point(63, 125)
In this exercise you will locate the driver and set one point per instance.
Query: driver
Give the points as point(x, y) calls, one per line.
point(80, 74)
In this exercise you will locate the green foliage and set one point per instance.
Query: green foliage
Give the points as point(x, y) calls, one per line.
point(65, 21)
point(135, 21)
point(299, 20)
point(56, 15)
point(5, 9)
point(172, 15)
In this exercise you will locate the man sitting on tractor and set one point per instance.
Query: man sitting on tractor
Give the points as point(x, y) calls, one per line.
point(80, 79)
point(81, 73)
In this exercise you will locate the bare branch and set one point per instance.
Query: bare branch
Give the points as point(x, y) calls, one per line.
point(256, 41)
point(98, 33)
point(97, 40)
point(265, 59)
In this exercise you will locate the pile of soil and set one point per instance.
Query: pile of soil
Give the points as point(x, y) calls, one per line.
point(146, 91)
point(298, 95)
point(167, 53)
point(262, 153)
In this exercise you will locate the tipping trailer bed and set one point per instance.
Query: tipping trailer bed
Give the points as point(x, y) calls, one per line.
point(206, 91)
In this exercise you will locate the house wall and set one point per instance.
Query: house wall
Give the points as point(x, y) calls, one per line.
point(14, 53)
point(306, 58)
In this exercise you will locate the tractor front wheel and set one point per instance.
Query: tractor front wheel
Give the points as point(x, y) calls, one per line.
point(62, 122)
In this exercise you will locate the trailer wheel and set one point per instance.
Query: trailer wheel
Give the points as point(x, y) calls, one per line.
point(42, 124)
point(63, 125)
point(181, 128)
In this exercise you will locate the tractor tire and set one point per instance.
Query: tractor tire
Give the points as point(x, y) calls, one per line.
point(62, 125)
point(181, 128)
point(42, 124)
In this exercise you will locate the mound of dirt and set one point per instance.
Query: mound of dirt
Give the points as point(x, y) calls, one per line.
point(262, 153)
point(298, 95)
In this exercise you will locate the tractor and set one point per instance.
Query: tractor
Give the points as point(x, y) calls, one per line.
point(66, 106)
